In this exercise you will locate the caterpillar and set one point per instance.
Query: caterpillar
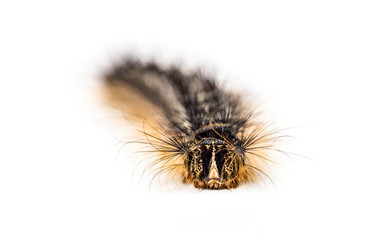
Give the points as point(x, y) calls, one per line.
point(202, 133)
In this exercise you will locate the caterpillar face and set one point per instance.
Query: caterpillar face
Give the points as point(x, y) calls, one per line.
point(212, 164)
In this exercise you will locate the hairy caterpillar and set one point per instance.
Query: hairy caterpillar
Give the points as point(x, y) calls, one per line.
point(202, 133)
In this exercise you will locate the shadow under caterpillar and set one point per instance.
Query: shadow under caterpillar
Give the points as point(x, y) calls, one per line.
point(202, 133)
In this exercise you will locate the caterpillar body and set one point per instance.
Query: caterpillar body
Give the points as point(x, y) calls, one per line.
point(202, 134)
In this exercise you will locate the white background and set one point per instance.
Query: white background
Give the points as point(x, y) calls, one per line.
point(318, 66)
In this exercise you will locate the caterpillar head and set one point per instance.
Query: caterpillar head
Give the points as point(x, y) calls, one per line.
point(212, 164)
